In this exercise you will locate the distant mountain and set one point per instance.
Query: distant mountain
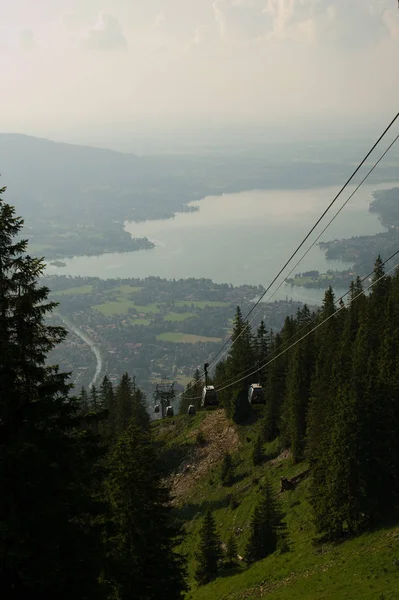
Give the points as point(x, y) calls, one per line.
point(75, 198)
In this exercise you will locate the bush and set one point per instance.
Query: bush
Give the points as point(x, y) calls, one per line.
point(200, 440)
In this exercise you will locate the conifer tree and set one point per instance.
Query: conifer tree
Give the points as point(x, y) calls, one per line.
point(274, 389)
point(209, 552)
point(257, 452)
point(262, 348)
point(231, 551)
point(241, 360)
point(227, 471)
point(296, 403)
point(94, 400)
point(84, 402)
point(107, 401)
point(130, 403)
point(142, 537)
point(48, 463)
point(266, 527)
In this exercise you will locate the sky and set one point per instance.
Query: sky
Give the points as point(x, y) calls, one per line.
point(73, 67)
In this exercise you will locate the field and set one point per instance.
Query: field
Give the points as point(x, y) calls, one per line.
point(114, 308)
point(365, 567)
point(179, 316)
point(125, 290)
point(201, 303)
point(184, 338)
point(140, 321)
point(75, 291)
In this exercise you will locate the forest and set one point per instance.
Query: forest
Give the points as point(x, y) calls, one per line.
point(88, 509)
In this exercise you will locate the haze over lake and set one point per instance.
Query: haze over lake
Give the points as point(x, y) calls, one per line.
point(238, 238)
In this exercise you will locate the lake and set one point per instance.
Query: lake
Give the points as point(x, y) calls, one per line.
point(238, 238)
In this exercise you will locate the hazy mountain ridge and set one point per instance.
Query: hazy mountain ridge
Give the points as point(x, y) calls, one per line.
point(76, 198)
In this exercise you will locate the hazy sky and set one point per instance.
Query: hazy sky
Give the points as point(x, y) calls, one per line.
point(70, 64)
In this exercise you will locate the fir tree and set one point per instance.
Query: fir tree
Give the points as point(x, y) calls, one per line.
point(50, 546)
point(240, 407)
point(142, 537)
point(266, 527)
point(227, 471)
point(107, 401)
point(257, 452)
point(231, 551)
point(130, 403)
point(209, 552)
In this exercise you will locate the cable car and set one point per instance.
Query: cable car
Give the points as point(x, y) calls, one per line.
point(256, 394)
point(156, 408)
point(209, 396)
point(191, 410)
point(169, 411)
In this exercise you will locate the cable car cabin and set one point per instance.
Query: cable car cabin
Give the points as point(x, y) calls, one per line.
point(169, 411)
point(209, 396)
point(191, 410)
point(156, 408)
point(256, 394)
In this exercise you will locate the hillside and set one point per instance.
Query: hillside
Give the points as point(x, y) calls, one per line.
point(365, 567)
point(75, 199)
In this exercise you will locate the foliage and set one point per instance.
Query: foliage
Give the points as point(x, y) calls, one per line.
point(227, 470)
point(142, 538)
point(257, 452)
point(49, 474)
point(209, 551)
point(331, 399)
point(231, 551)
point(266, 527)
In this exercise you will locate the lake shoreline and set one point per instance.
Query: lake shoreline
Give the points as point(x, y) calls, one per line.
point(235, 238)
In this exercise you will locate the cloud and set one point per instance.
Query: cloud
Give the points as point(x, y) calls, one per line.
point(355, 23)
point(106, 34)
point(27, 39)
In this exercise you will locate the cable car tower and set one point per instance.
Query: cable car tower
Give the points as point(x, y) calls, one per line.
point(164, 394)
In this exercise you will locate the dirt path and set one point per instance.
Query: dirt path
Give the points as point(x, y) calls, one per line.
point(220, 437)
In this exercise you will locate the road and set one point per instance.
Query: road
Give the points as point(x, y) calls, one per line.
point(90, 343)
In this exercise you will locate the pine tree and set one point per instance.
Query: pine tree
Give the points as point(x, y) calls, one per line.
point(49, 544)
point(274, 389)
point(209, 552)
point(227, 471)
point(84, 403)
point(262, 349)
point(257, 452)
point(130, 403)
point(231, 551)
point(94, 400)
point(299, 378)
point(142, 537)
point(107, 401)
point(266, 527)
point(241, 361)
point(240, 407)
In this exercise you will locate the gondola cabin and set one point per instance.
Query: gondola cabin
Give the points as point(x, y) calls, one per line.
point(191, 410)
point(209, 396)
point(156, 408)
point(169, 411)
point(256, 394)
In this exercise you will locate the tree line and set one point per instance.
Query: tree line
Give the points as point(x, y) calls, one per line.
point(84, 511)
point(332, 399)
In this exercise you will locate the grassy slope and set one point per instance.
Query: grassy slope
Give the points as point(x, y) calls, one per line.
point(366, 567)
